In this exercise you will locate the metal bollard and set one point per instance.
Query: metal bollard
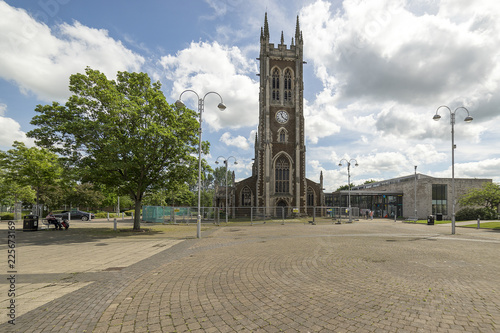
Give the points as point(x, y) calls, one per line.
point(114, 224)
point(478, 222)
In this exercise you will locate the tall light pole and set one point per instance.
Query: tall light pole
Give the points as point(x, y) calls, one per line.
point(349, 181)
point(415, 187)
point(225, 163)
point(467, 119)
point(201, 103)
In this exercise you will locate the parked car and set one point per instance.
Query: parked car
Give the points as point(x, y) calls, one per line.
point(75, 215)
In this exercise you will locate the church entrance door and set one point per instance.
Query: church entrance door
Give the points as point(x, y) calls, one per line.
point(282, 209)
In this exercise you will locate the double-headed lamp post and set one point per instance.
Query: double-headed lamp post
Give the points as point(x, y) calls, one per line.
point(225, 163)
point(201, 102)
point(467, 119)
point(349, 181)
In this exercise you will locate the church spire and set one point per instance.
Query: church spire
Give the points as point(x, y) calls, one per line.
point(282, 39)
point(266, 28)
point(297, 30)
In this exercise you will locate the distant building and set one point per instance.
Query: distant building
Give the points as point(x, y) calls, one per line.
point(397, 196)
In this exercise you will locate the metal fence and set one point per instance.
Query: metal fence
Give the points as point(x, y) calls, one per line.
point(249, 215)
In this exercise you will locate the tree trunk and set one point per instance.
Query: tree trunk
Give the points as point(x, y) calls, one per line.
point(137, 215)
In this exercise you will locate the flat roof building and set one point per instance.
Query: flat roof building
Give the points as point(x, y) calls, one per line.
point(417, 194)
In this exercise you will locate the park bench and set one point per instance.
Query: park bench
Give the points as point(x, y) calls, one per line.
point(47, 225)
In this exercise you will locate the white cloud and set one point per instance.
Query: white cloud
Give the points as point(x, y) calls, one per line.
point(10, 131)
point(238, 141)
point(40, 60)
point(206, 67)
point(386, 66)
point(483, 169)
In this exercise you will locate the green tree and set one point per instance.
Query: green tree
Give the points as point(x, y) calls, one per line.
point(85, 195)
point(121, 134)
point(35, 167)
point(220, 176)
point(11, 192)
point(487, 196)
point(344, 187)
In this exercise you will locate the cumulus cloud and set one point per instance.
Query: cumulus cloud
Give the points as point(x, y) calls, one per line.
point(238, 141)
point(40, 59)
point(385, 67)
point(206, 67)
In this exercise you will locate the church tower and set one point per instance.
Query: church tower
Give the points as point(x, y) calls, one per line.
point(278, 177)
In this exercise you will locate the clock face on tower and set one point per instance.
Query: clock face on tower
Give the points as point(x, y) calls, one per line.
point(282, 117)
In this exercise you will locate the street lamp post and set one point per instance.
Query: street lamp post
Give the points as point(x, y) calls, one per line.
point(349, 182)
point(201, 103)
point(467, 119)
point(415, 187)
point(225, 163)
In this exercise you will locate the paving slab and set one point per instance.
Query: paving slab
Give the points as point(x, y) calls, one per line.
point(368, 276)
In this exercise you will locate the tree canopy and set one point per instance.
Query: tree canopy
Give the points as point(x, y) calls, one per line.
point(35, 167)
point(487, 196)
point(121, 133)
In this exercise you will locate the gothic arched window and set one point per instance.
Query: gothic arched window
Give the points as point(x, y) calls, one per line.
point(275, 85)
point(282, 135)
point(246, 196)
point(288, 86)
point(310, 197)
point(282, 176)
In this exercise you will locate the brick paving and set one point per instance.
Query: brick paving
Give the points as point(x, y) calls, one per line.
point(377, 276)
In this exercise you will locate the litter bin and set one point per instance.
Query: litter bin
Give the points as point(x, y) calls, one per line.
point(30, 223)
point(439, 217)
point(430, 220)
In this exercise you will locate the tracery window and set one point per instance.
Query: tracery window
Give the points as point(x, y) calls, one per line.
point(282, 135)
point(310, 197)
point(246, 197)
point(282, 176)
point(287, 86)
point(275, 85)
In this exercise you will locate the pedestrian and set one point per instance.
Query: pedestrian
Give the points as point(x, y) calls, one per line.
point(371, 214)
point(52, 220)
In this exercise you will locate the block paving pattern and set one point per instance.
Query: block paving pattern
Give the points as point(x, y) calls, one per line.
point(360, 277)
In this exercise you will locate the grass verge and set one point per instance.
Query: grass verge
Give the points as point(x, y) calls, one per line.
point(485, 225)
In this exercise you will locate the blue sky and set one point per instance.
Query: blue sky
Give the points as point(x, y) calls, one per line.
point(376, 73)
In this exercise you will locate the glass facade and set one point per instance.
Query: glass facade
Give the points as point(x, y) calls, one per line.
point(382, 205)
point(439, 199)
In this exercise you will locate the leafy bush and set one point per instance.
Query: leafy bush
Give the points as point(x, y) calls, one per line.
point(103, 215)
point(7, 216)
point(466, 214)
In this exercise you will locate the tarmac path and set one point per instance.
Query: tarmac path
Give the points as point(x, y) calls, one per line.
point(368, 276)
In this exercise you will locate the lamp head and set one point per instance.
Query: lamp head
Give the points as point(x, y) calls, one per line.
point(340, 164)
point(235, 162)
point(468, 119)
point(179, 103)
point(221, 106)
point(356, 164)
point(436, 117)
point(216, 162)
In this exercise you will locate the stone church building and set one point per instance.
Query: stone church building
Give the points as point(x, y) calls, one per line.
point(279, 170)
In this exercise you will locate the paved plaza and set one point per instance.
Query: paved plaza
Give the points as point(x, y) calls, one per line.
point(368, 276)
